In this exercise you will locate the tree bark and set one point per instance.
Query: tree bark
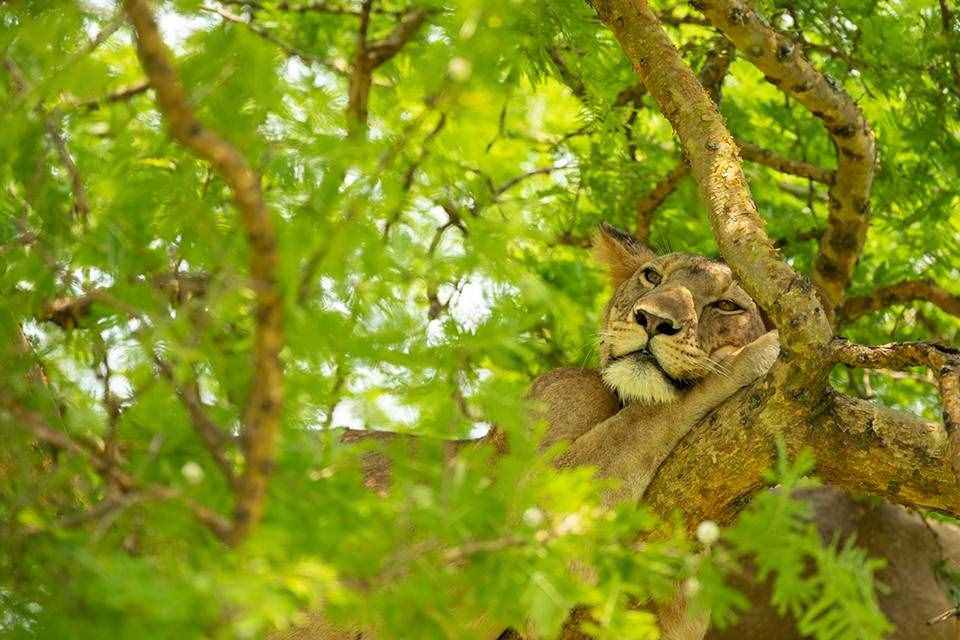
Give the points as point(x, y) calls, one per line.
point(714, 470)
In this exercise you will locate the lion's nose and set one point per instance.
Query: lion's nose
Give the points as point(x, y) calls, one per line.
point(654, 325)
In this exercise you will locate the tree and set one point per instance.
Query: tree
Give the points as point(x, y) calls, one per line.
point(226, 235)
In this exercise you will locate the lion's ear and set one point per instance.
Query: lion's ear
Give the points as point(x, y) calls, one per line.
point(619, 252)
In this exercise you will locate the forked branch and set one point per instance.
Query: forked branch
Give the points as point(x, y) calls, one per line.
point(715, 164)
point(784, 66)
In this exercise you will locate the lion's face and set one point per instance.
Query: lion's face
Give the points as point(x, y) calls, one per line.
point(671, 321)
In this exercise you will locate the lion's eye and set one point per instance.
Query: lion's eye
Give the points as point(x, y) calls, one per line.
point(652, 276)
point(727, 306)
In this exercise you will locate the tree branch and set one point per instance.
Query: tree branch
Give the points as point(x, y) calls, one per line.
point(943, 361)
point(713, 472)
point(52, 123)
point(212, 436)
point(648, 204)
point(901, 293)
point(370, 55)
point(112, 474)
point(781, 61)
point(715, 164)
point(262, 414)
point(120, 95)
point(759, 155)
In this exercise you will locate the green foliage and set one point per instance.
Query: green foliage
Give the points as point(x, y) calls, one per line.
point(430, 271)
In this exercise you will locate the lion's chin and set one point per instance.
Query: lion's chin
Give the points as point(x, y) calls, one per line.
point(637, 380)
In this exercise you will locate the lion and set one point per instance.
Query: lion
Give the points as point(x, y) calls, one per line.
point(679, 337)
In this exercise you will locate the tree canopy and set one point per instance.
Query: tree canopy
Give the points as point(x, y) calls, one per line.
point(229, 232)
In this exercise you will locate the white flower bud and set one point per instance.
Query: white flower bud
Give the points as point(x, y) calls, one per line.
point(192, 472)
point(708, 532)
point(459, 69)
point(532, 517)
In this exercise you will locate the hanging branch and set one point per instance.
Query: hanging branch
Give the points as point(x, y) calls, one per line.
point(262, 414)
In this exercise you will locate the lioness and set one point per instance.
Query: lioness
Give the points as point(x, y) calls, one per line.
point(679, 337)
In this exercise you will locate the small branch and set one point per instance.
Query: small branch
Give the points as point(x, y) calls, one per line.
point(381, 51)
point(317, 6)
point(262, 414)
point(759, 155)
point(361, 78)
point(946, 16)
point(52, 123)
point(212, 436)
point(567, 76)
point(648, 204)
point(67, 312)
point(115, 476)
point(120, 95)
point(901, 293)
point(267, 36)
point(514, 181)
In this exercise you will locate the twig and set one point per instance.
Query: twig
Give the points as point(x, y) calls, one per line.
point(759, 155)
point(267, 36)
point(212, 436)
point(124, 482)
point(120, 95)
point(648, 204)
point(52, 123)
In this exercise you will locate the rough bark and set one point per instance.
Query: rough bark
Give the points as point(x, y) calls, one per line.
point(262, 414)
point(783, 64)
point(715, 469)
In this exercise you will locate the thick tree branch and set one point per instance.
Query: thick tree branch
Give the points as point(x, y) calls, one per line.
point(783, 64)
point(712, 75)
point(943, 361)
point(901, 293)
point(713, 472)
point(715, 164)
point(262, 414)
